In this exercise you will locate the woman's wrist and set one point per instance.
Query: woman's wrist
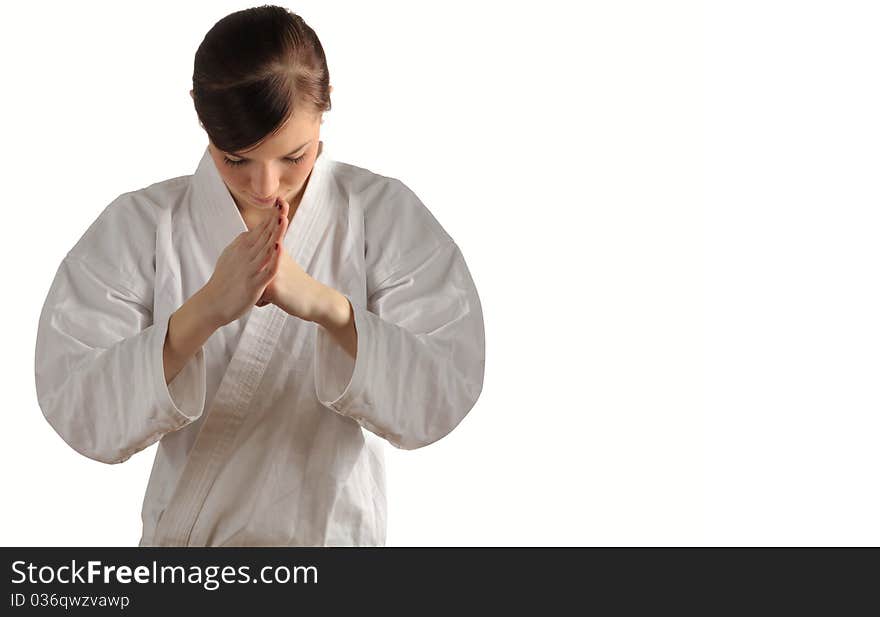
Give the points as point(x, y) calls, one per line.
point(332, 309)
point(336, 316)
point(203, 306)
point(188, 329)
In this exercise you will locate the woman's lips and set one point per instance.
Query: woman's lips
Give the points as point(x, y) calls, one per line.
point(265, 202)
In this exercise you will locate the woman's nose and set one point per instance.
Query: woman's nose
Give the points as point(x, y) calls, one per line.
point(265, 184)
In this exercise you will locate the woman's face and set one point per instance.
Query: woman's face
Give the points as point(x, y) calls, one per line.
point(279, 167)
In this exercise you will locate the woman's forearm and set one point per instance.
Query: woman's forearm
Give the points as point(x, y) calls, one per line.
point(188, 329)
point(336, 315)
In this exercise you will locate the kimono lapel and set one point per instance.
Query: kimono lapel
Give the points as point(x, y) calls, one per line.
point(235, 395)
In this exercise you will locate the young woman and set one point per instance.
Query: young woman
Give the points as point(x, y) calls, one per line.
point(255, 317)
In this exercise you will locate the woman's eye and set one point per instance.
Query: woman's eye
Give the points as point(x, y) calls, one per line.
point(288, 160)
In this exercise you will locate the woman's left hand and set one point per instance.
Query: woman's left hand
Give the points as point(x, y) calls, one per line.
point(292, 290)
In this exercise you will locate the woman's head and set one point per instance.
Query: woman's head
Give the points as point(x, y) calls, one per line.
point(260, 88)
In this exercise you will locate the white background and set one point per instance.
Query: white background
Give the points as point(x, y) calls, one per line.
point(669, 210)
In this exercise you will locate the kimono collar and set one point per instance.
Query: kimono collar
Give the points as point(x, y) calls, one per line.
point(216, 210)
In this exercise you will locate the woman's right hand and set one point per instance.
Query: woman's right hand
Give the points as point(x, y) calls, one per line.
point(245, 267)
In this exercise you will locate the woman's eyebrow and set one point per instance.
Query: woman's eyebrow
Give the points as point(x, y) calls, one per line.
point(297, 149)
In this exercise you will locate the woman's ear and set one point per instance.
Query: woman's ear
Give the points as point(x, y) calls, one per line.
point(192, 95)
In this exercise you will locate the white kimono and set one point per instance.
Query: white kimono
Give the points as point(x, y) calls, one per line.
point(261, 439)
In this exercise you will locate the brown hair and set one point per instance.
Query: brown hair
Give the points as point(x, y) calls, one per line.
point(252, 70)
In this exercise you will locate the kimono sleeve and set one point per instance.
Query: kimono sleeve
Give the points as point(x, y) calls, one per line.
point(420, 354)
point(100, 375)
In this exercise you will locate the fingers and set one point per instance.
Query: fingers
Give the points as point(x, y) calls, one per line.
point(258, 234)
point(273, 248)
point(285, 219)
point(267, 248)
point(262, 240)
point(263, 257)
point(281, 229)
point(271, 269)
point(270, 266)
point(256, 252)
point(271, 241)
